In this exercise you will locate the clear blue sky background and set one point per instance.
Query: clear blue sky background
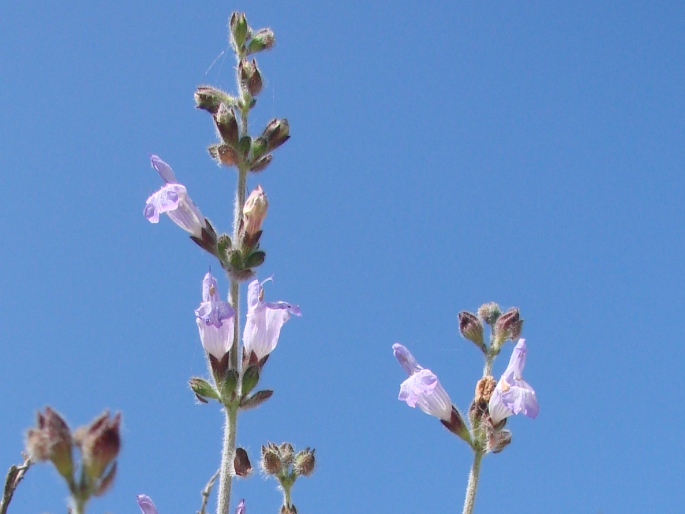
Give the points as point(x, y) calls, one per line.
point(444, 154)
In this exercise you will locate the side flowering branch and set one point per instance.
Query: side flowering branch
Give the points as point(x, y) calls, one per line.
point(14, 476)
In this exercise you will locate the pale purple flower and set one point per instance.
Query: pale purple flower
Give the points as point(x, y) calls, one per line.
point(173, 199)
point(406, 359)
point(513, 395)
point(146, 505)
point(214, 319)
point(264, 321)
point(422, 388)
point(240, 509)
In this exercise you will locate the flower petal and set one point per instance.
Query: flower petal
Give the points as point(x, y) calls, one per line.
point(406, 359)
point(146, 505)
point(163, 169)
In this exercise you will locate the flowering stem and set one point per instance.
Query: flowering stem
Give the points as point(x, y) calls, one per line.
point(472, 486)
point(227, 456)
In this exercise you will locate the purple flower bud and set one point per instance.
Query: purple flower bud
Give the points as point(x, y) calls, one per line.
point(146, 505)
point(264, 321)
point(423, 388)
point(214, 319)
point(513, 395)
point(240, 509)
point(173, 200)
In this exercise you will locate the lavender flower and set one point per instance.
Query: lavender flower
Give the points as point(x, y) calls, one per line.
point(513, 395)
point(422, 388)
point(173, 199)
point(146, 505)
point(214, 319)
point(240, 509)
point(264, 321)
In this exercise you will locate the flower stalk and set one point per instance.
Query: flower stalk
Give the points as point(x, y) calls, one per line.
point(472, 486)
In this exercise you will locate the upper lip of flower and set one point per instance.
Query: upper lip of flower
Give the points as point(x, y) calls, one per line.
point(513, 394)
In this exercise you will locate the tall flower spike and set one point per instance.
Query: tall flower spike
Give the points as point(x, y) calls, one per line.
point(214, 319)
point(264, 321)
point(173, 200)
point(513, 395)
point(146, 505)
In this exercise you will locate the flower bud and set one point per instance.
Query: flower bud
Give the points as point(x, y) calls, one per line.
point(203, 389)
point(52, 441)
point(304, 462)
point(498, 440)
point(276, 133)
point(210, 98)
point(254, 211)
point(241, 463)
point(261, 163)
point(287, 453)
point(288, 509)
point(271, 462)
point(239, 30)
point(100, 442)
point(250, 77)
point(263, 39)
point(508, 326)
point(489, 312)
point(227, 125)
point(471, 328)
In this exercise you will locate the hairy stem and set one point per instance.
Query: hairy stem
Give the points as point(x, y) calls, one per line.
point(227, 456)
point(472, 485)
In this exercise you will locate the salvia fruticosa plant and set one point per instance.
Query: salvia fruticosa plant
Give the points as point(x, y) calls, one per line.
point(234, 368)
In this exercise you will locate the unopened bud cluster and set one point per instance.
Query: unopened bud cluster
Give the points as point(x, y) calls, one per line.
point(504, 326)
point(98, 442)
point(284, 464)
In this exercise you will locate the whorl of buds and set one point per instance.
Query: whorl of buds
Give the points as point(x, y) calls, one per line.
point(489, 312)
point(471, 328)
point(508, 326)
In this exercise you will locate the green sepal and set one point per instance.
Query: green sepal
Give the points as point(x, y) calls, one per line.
point(244, 145)
point(203, 389)
point(258, 147)
point(250, 379)
point(236, 260)
point(239, 29)
point(228, 386)
point(255, 259)
point(256, 399)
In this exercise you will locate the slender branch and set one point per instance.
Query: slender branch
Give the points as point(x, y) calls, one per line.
point(207, 491)
point(472, 485)
point(14, 475)
point(227, 456)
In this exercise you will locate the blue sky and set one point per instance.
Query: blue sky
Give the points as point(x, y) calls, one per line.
point(443, 155)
